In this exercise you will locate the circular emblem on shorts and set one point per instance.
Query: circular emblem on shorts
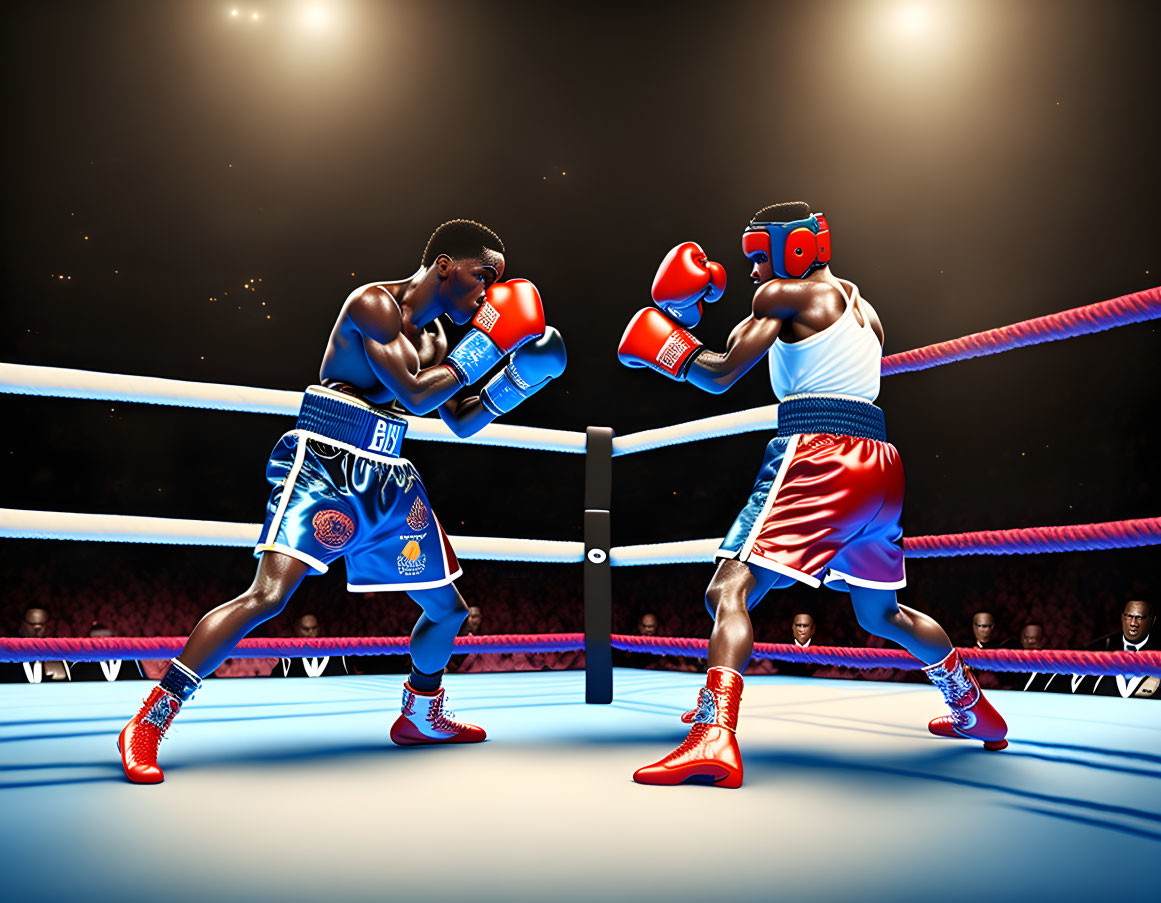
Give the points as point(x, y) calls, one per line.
point(332, 528)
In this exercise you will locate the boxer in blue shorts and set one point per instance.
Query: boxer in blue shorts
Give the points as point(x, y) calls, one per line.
point(826, 504)
point(342, 489)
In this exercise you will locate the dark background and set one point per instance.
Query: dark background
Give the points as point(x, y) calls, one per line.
point(986, 163)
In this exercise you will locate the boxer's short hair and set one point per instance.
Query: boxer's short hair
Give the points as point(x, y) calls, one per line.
point(461, 239)
point(786, 212)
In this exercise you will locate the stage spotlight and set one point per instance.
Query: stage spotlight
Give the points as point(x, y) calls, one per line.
point(316, 17)
point(913, 20)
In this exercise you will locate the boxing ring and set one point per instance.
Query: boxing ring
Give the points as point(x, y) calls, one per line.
point(291, 790)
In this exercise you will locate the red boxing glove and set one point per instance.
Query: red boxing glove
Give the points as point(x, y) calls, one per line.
point(653, 340)
point(685, 279)
point(511, 314)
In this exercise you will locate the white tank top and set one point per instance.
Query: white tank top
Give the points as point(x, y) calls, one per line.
point(843, 359)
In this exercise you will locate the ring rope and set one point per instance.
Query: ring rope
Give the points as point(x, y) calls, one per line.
point(1019, 541)
point(1120, 534)
point(21, 524)
point(1020, 660)
point(1133, 308)
point(750, 420)
point(23, 379)
point(98, 649)
point(91, 649)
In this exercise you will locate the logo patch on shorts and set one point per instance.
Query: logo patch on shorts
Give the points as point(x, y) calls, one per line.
point(411, 560)
point(417, 516)
point(332, 528)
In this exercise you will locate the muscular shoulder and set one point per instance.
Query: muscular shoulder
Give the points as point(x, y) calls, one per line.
point(374, 312)
point(785, 298)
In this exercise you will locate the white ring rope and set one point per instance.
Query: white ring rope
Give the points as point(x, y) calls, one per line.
point(20, 524)
point(22, 379)
point(747, 421)
point(690, 551)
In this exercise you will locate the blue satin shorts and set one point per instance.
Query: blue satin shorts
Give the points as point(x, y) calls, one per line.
point(331, 499)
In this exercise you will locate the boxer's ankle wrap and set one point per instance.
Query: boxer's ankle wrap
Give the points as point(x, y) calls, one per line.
point(836, 416)
point(180, 681)
point(351, 421)
point(424, 683)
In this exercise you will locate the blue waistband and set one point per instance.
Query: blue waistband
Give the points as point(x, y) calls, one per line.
point(838, 416)
point(351, 422)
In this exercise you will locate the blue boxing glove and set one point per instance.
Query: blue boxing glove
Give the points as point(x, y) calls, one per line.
point(510, 316)
point(528, 371)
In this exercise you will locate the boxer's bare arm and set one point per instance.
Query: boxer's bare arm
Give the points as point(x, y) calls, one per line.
point(748, 342)
point(393, 358)
point(465, 417)
point(432, 345)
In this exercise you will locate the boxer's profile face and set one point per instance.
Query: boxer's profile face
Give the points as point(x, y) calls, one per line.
point(465, 280)
point(761, 269)
point(1136, 621)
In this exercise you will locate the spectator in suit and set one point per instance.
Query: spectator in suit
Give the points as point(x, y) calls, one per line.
point(802, 629)
point(984, 637)
point(35, 624)
point(115, 669)
point(648, 624)
point(317, 666)
point(1136, 635)
point(1033, 637)
point(984, 630)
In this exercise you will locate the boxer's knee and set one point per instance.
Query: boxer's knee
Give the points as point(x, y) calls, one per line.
point(725, 600)
point(443, 603)
point(875, 609)
point(261, 603)
point(734, 589)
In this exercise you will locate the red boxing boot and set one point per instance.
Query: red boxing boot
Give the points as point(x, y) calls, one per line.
point(142, 735)
point(972, 716)
point(710, 754)
point(426, 719)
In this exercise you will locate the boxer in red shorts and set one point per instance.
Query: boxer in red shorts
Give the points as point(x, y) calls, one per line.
point(826, 504)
